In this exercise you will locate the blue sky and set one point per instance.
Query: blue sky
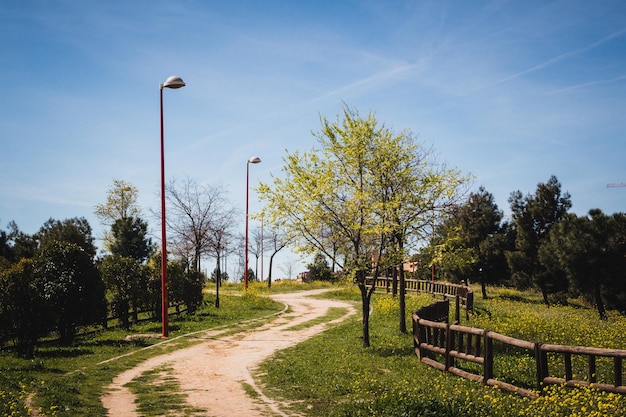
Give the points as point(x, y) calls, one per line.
point(511, 92)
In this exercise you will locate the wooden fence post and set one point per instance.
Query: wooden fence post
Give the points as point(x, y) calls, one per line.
point(541, 362)
point(567, 358)
point(449, 359)
point(488, 358)
point(469, 304)
point(457, 305)
point(592, 368)
point(417, 337)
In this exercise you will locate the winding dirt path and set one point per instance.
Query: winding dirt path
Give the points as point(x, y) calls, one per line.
point(212, 373)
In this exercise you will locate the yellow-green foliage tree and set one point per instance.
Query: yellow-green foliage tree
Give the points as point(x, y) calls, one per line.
point(367, 184)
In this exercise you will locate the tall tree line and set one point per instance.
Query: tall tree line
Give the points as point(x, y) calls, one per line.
point(53, 281)
point(545, 247)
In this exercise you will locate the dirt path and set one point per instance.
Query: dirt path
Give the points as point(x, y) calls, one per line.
point(212, 373)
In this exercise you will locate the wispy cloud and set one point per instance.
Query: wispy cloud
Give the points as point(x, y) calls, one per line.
point(587, 84)
point(558, 58)
point(377, 78)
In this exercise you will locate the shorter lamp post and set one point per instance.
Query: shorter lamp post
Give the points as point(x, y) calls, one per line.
point(253, 160)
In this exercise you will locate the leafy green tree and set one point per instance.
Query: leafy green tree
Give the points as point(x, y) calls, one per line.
point(591, 252)
point(493, 261)
point(16, 245)
point(127, 280)
point(415, 192)
point(319, 269)
point(451, 254)
point(251, 276)
point(121, 203)
point(153, 268)
point(75, 230)
point(534, 216)
point(479, 220)
point(130, 239)
point(68, 280)
point(214, 274)
point(185, 284)
point(344, 186)
point(23, 310)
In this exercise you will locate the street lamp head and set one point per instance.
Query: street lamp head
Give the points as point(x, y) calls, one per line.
point(173, 81)
point(254, 160)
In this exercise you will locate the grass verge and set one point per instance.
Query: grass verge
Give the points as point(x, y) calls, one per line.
point(157, 391)
point(69, 380)
point(333, 375)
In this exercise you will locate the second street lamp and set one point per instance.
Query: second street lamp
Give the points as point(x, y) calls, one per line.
point(171, 82)
point(253, 160)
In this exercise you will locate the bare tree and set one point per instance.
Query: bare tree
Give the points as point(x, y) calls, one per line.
point(221, 236)
point(255, 248)
point(193, 212)
point(288, 267)
point(277, 240)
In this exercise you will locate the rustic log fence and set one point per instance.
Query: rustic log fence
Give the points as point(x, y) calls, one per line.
point(433, 337)
point(462, 294)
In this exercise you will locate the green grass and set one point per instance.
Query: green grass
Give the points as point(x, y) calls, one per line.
point(68, 381)
point(157, 392)
point(285, 286)
point(332, 375)
point(332, 314)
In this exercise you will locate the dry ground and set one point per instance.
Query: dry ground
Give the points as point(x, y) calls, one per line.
point(212, 374)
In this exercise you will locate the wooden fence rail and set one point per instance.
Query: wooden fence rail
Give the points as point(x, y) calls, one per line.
point(462, 294)
point(454, 343)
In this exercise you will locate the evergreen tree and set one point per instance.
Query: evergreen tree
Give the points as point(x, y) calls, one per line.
point(130, 239)
point(534, 216)
point(590, 251)
point(75, 230)
point(479, 220)
point(319, 269)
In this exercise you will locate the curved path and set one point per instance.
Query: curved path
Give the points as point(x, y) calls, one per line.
point(212, 374)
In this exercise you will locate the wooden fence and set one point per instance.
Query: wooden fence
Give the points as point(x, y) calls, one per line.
point(462, 294)
point(451, 343)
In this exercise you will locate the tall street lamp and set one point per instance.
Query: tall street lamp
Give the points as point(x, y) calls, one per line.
point(253, 160)
point(171, 82)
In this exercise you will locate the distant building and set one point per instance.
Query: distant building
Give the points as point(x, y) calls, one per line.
point(303, 276)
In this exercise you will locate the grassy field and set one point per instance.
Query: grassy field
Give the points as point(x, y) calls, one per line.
point(331, 374)
point(68, 381)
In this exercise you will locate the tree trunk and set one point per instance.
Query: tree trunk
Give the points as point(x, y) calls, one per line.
point(218, 279)
point(544, 294)
point(402, 300)
point(196, 261)
point(599, 302)
point(269, 275)
point(365, 307)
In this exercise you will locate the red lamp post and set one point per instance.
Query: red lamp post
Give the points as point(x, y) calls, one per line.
point(253, 160)
point(171, 82)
